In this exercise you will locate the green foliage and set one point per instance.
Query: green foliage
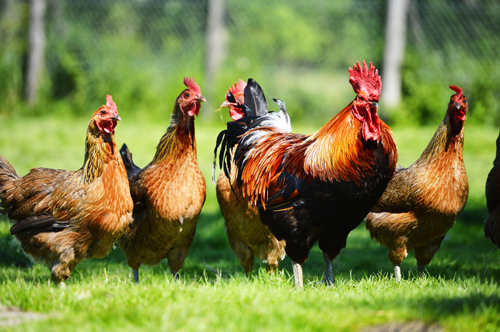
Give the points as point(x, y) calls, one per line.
point(299, 52)
point(13, 27)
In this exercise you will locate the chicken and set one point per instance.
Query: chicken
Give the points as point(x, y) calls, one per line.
point(63, 217)
point(168, 193)
point(492, 222)
point(317, 188)
point(421, 202)
point(247, 236)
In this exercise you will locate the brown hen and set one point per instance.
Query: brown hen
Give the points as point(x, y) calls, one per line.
point(63, 217)
point(168, 193)
point(422, 201)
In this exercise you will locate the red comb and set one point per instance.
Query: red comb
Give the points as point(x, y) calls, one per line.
point(191, 85)
point(365, 80)
point(111, 104)
point(457, 90)
point(238, 87)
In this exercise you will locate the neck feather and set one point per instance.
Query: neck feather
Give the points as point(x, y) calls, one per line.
point(99, 149)
point(179, 136)
point(449, 137)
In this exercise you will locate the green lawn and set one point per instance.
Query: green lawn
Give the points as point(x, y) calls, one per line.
point(461, 292)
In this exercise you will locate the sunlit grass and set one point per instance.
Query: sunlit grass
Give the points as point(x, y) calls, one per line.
point(460, 292)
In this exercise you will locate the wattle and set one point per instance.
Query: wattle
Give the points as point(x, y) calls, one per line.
point(235, 114)
point(194, 110)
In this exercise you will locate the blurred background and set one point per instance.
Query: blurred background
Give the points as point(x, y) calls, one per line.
point(66, 55)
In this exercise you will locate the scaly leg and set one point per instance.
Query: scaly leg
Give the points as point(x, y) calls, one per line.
point(424, 254)
point(175, 274)
point(329, 276)
point(397, 272)
point(421, 269)
point(136, 276)
point(297, 275)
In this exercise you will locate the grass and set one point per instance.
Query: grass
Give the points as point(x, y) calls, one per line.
point(460, 293)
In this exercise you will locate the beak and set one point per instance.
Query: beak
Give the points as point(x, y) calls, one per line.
point(225, 103)
point(117, 117)
point(374, 104)
point(458, 106)
point(201, 98)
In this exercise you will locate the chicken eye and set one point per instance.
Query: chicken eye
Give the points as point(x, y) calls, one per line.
point(230, 97)
point(103, 113)
point(186, 94)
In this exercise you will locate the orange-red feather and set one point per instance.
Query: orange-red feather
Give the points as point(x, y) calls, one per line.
point(335, 153)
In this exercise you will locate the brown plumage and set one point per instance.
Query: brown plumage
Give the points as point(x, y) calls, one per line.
point(247, 236)
point(422, 201)
point(64, 217)
point(492, 222)
point(317, 188)
point(168, 193)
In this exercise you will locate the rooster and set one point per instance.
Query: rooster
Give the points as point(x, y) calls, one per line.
point(421, 202)
point(247, 236)
point(168, 193)
point(492, 222)
point(317, 188)
point(63, 217)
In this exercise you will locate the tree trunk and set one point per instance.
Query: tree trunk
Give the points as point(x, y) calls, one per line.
point(395, 39)
point(215, 47)
point(35, 49)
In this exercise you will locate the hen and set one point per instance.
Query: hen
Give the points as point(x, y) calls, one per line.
point(168, 193)
point(422, 201)
point(492, 222)
point(247, 236)
point(63, 217)
point(317, 187)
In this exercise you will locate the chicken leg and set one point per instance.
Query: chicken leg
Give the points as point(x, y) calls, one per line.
point(297, 275)
point(397, 272)
point(136, 276)
point(421, 269)
point(329, 276)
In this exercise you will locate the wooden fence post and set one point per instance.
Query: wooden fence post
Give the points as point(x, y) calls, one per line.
point(215, 46)
point(35, 49)
point(395, 40)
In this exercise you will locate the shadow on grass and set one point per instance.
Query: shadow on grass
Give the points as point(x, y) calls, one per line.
point(465, 252)
point(209, 255)
point(454, 305)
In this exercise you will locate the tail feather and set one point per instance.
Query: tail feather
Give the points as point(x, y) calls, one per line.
point(255, 100)
point(7, 172)
point(7, 175)
point(132, 169)
point(38, 224)
point(6, 168)
point(230, 137)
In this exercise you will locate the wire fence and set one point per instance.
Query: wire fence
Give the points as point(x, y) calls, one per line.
point(298, 51)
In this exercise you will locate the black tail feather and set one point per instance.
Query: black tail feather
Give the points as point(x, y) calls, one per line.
point(38, 224)
point(132, 169)
point(255, 100)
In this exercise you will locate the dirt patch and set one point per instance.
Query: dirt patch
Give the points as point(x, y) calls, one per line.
point(11, 315)
point(405, 327)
